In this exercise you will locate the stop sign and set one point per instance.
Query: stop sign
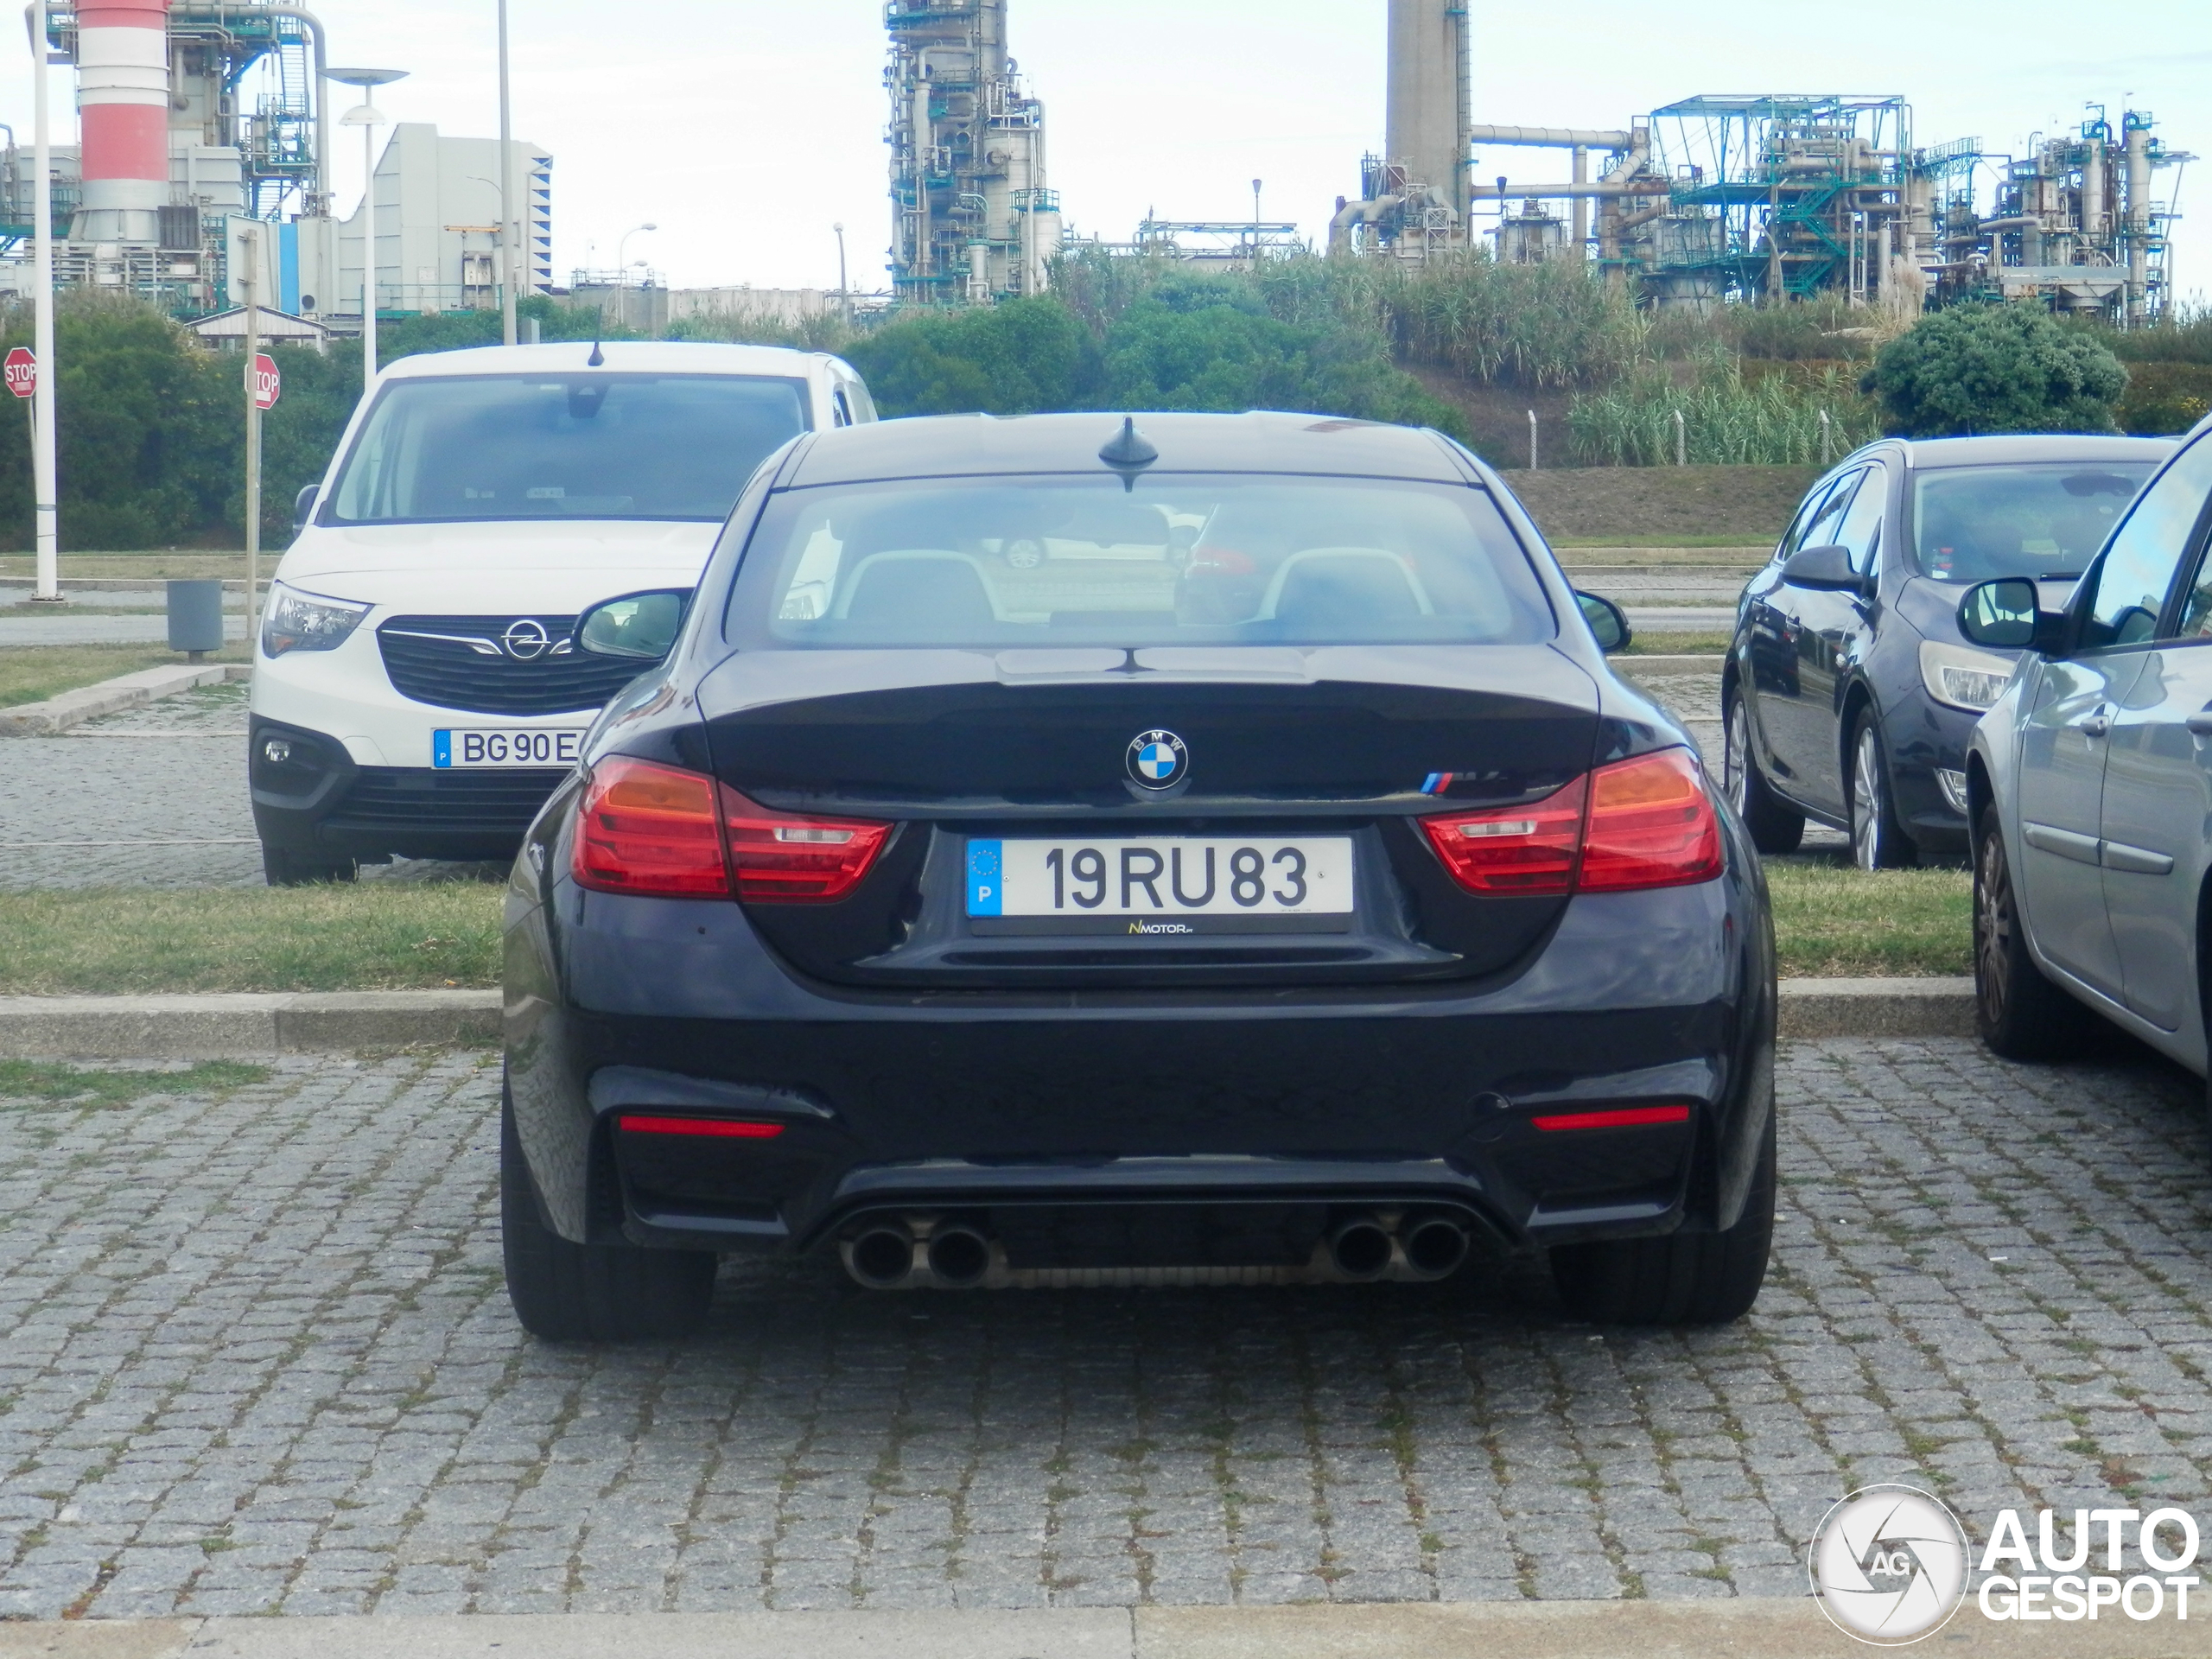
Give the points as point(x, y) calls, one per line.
point(22, 372)
point(268, 385)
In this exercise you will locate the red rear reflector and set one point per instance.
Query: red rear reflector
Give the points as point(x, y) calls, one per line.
point(721, 1127)
point(649, 829)
point(783, 859)
point(1651, 825)
point(1644, 822)
point(1529, 850)
point(1624, 1117)
point(642, 828)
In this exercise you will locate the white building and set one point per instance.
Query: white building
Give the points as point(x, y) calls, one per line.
point(437, 231)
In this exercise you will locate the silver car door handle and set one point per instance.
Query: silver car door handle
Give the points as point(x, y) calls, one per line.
point(2201, 723)
point(2096, 724)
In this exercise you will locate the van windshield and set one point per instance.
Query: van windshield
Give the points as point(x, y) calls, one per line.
point(575, 446)
point(1183, 559)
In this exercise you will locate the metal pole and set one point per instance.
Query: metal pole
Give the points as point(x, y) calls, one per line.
point(44, 467)
point(1681, 440)
point(507, 215)
point(368, 251)
point(844, 293)
point(1532, 440)
point(252, 240)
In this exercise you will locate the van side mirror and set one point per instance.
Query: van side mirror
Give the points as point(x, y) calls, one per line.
point(641, 627)
point(303, 507)
point(1607, 621)
point(1826, 570)
point(2005, 616)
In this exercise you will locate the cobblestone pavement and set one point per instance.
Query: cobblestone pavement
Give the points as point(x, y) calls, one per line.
point(155, 797)
point(254, 1355)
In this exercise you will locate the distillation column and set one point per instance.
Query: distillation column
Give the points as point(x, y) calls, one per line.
point(122, 90)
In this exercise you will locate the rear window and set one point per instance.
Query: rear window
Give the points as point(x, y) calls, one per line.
point(1180, 560)
point(1977, 524)
point(583, 446)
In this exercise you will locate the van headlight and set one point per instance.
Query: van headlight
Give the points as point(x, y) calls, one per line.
point(1963, 678)
point(297, 621)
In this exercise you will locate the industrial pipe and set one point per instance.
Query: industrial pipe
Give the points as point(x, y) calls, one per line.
point(1356, 213)
point(1553, 137)
point(1546, 191)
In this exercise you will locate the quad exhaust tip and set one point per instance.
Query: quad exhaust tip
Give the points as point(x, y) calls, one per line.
point(882, 1257)
point(959, 1257)
point(1360, 1249)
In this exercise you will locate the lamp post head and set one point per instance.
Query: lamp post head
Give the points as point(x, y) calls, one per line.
point(364, 78)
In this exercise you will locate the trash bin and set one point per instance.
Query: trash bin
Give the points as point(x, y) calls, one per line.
point(196, 617)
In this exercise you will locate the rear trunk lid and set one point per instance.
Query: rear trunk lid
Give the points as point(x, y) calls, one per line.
point(1331, 753)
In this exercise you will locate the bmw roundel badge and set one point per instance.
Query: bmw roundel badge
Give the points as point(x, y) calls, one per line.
point(1157, 759)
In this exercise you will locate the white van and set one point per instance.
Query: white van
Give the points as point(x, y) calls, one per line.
point(415, 693)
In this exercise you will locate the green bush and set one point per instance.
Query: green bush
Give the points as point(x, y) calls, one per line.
point(2165, 397)
point(1016, 359)
point(1995, 368)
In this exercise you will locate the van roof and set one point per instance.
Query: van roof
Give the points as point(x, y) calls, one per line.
point(631, 356)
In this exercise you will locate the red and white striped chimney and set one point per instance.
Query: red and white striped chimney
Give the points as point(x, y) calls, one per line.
point(123, 97)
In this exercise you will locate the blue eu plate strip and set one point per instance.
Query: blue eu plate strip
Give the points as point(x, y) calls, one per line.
point(986, 878)
point(441, 748)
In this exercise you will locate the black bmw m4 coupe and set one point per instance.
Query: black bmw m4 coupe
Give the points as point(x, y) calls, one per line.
point(1073, 851)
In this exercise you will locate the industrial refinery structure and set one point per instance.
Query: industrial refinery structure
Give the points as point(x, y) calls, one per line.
point(202, 120)
point(1761, 198)
point(974, 217)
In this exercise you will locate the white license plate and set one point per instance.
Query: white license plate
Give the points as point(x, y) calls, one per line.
point(512, 745)
point(1161, 888)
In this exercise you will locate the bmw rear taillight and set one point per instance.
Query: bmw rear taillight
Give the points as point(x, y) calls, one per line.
point(780, 859)
point(666, 833)
point(1639, 823)
point(646, 829)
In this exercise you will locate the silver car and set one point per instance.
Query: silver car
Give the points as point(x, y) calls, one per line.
point(2089, 786)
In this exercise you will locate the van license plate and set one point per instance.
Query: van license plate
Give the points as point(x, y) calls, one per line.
point(1168, 888)
point(518, 746)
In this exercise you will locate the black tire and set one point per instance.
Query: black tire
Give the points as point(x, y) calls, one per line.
point(1878, 838)
point(2019, 1012)
point(590, 1293)
point(283, 868)
point(1775, 828)
point(1682, 1279)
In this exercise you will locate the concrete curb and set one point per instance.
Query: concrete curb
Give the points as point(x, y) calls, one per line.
point(264, 1023)
point(1791, 1628)
point(1657, 662)
point(113, 696)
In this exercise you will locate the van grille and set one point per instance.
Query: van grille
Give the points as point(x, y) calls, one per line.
point(486, 664)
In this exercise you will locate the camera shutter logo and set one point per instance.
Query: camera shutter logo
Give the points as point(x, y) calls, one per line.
point(1889, 1565)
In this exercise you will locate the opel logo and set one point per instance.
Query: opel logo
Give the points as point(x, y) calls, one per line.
point(526, 639)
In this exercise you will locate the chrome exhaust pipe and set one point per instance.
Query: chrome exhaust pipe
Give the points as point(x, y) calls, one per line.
point(1435, 1247)
point(882, 1257)
point(1360, 1249)
point(959, 1257)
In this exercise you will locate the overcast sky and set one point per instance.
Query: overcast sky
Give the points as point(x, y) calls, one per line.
point(744, 130)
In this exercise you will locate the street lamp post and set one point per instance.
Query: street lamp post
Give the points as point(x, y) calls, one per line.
point(44, 467)
point(368, 118)
point(508, 217)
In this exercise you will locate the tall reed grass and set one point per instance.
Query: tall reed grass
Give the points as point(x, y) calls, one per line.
point(1726, 421)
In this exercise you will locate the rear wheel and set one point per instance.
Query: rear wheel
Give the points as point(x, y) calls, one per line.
point(1774, 827)
point(283, 868)
point(2019, 1013)
point(589, 1292)
point(1683, 1279)
point(1879, 841)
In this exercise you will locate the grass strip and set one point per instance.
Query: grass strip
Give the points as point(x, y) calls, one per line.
point(373, 935)
point(34, 673)
point(1830, 918)
point(1676, 644)
point(37, 1080)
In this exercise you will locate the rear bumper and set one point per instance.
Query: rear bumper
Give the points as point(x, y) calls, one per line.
point(1289, 1112)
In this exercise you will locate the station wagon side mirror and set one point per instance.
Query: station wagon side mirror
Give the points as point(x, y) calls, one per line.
point(2004, 615)
point(303, 506)
point(641, 627)
point(1607, 621)
point(1826, 570)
